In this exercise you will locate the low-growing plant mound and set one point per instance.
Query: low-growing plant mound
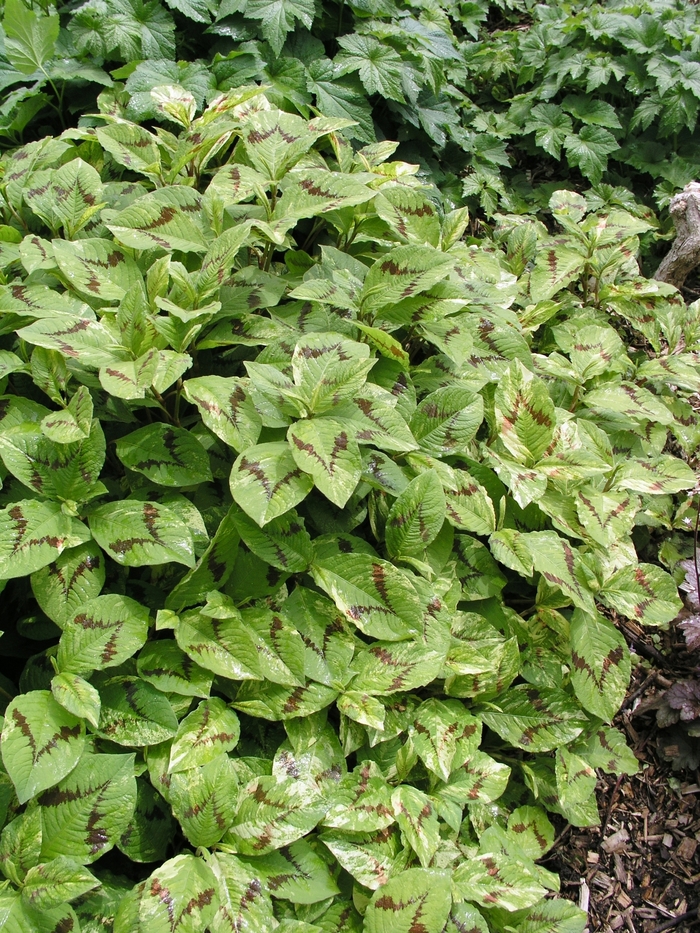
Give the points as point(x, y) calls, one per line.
point(317, 516)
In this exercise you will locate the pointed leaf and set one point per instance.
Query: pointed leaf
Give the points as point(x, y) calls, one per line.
point(401, 273)
point(170, 218)
point(103, 633)
point(266, 481)
point(63, 586)
point(142, 533)
point(166, 455)
point(209, 730)
point(323, 448)
point(536, 720)
point(416, 516)
point(645, 593)
point(413, 899)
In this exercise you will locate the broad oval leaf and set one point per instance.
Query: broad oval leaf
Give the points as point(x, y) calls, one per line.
point(41, 742)
point(266, 482)
point(325, 449)
point(226, 409)
point(524, 414)
point(447, 420)
point(34, 533)
point(417, 897)
point(534, 719)
point(600, 662)
point(170, 218)
point(64, 585)
point(133, 713)
point(416, 517)
point(644, 592)
point(137, 533)
point(106, 631)
point(208, 731)
point(166, 455)
point(401, 273)
point(179, 895)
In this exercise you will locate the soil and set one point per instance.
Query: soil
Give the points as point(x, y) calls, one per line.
point(639, 871)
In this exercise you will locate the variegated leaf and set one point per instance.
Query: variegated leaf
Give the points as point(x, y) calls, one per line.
point(323, 448)
point(33, 534)
point(600, 660)
point(416, 898)
point(103, 633)
point(644, 592)
point(416, 516)
point(169, 218)
point(524, 414)
point(266, 481)
point(168, 456)
point(62, 586)
point(402, 273)
point(447, 420)
point(137, 533)
point(536, 720)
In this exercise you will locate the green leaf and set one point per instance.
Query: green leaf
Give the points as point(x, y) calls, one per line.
point(525, 414)
point(379, 66)
point(220, 645)
point(600, 661)
point(480, 778)
point(166, 455)
point(402, 272)
point(213, 568)
point(443, 735)
point(283, 542)
point(67, 198)
point(468, 505)
point(607, 749)
point(208, 731)
point(151, 828)
point(274, 814)
point(630, 400)
point(370, 858)
point(133, 713)
point(323, 448)
point(241, 900)
point(372, 594)
point(276, 141)
point(78, 696)
point(63, 586)
point(410, 213)
point(20, 845)
point(53, 883)
point(554, 916)
point(551, 127)
point(531, 827)
point(556, 266)
point(41, 742)
point(645, 593)
point(495, 879)
point(447, 420)
point(312, 193)
point(30, 39)
point(204, 800)
point(96, 268)
point(76, 338)
point(418, 819)
point(535, 719)
point(559, 564)
point(131, 146)
point(655, 476)
point(74, 423)
point(103, 633)
point(142, 533)
point(170, 670)
point(415, 898)
point(180, 895)
point(294, 873)
point(589, 151)
point(416, 516)
point(266, 481)
point(170, 218)
point(278, 18)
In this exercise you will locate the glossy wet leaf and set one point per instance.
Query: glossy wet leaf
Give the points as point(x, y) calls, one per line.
point(137, 533)
point(166, 455)
point(106, 631)
point(415, 896)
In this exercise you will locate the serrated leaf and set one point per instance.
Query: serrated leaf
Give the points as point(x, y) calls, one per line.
point(600, 664)
point(208, 731)
point(134, 713)
point(323, 448)
point(416, 516)
point(204, 800)
point(167, 455)
point(142, 533)
point(415, 897)
point(41, 742)
point(589, 151)
point(163, 664)
point(180, 894)
point(447, 420)
point(106, 631)
point(65, 584)
point(30, 39)
point(78, 696)
point(266, 481)
point(535, 719)
point(645, 593)
point(170, 218)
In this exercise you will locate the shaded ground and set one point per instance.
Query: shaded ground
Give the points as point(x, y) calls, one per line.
point(640, 870)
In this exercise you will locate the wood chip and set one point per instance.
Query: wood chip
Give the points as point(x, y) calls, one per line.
point(592, 858)
point(686, 848)
point(667, 840)
point(623, 900)
point(617, 842)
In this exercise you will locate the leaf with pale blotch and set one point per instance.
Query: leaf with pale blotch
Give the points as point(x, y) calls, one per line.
point(20, 845)
point(130, 379)
point(494, 879)
point(96, 268)
point(468, 506)
point(72, 424)
point(418, 819)
point(374, 421)
point(466, 917)
point(131, 146)
point(179, 895)
point(78, 696)
point(385, 344)
point(273, 814)
point(53, 883)
point(328, 644)
point(447, 420)
point(656, 476)
point(630, 400)
point(103, 633)
point(226, 408)
point(163, 664)
point(279, 646)
point(175, 102)
point(323, 448)
point(416, 516)
point(309, 193)
point(479, 778)
point(558, 263)
point(208, 731)
point(213, 568)
point(243, 902)
point(327, 368)
point(266, 481)
point(41, 742)
point(18, 917)
point(410, 213)
point(510, 549)
point(294, 873)
point(361, 801)
point(414, 899)
point(381, 472)
point(476, 570)
point(371, 858)
point(275, 702)
point(223, 646)
point(600, 663)
point(61, 587)
point(204, 800)
point(233, 184)
point(167, 455)
point(401, 273)
point(524, 414)
point(576, 779)
point(607, 516)
point(133, 712)
point(66, 197)
point(86, 813)
point(362, 708)
point(275, 141)
point(553, 916)
point(558, 562)
point(138, 534)
point(76, 338)
point(372, 594)
point(644, 592)
point(219, 259)
point(596, 350)
point(607, 748)
point(532, 829)
point(169, 218)
point(444, 734)
point(56, 471)
point(534, 719)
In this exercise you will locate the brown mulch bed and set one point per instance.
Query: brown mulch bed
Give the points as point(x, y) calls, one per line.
point(639, 871)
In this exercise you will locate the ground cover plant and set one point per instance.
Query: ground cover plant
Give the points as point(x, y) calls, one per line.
point(317, 516)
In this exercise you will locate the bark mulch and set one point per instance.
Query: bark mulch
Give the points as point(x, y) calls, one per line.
point(639, 871)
